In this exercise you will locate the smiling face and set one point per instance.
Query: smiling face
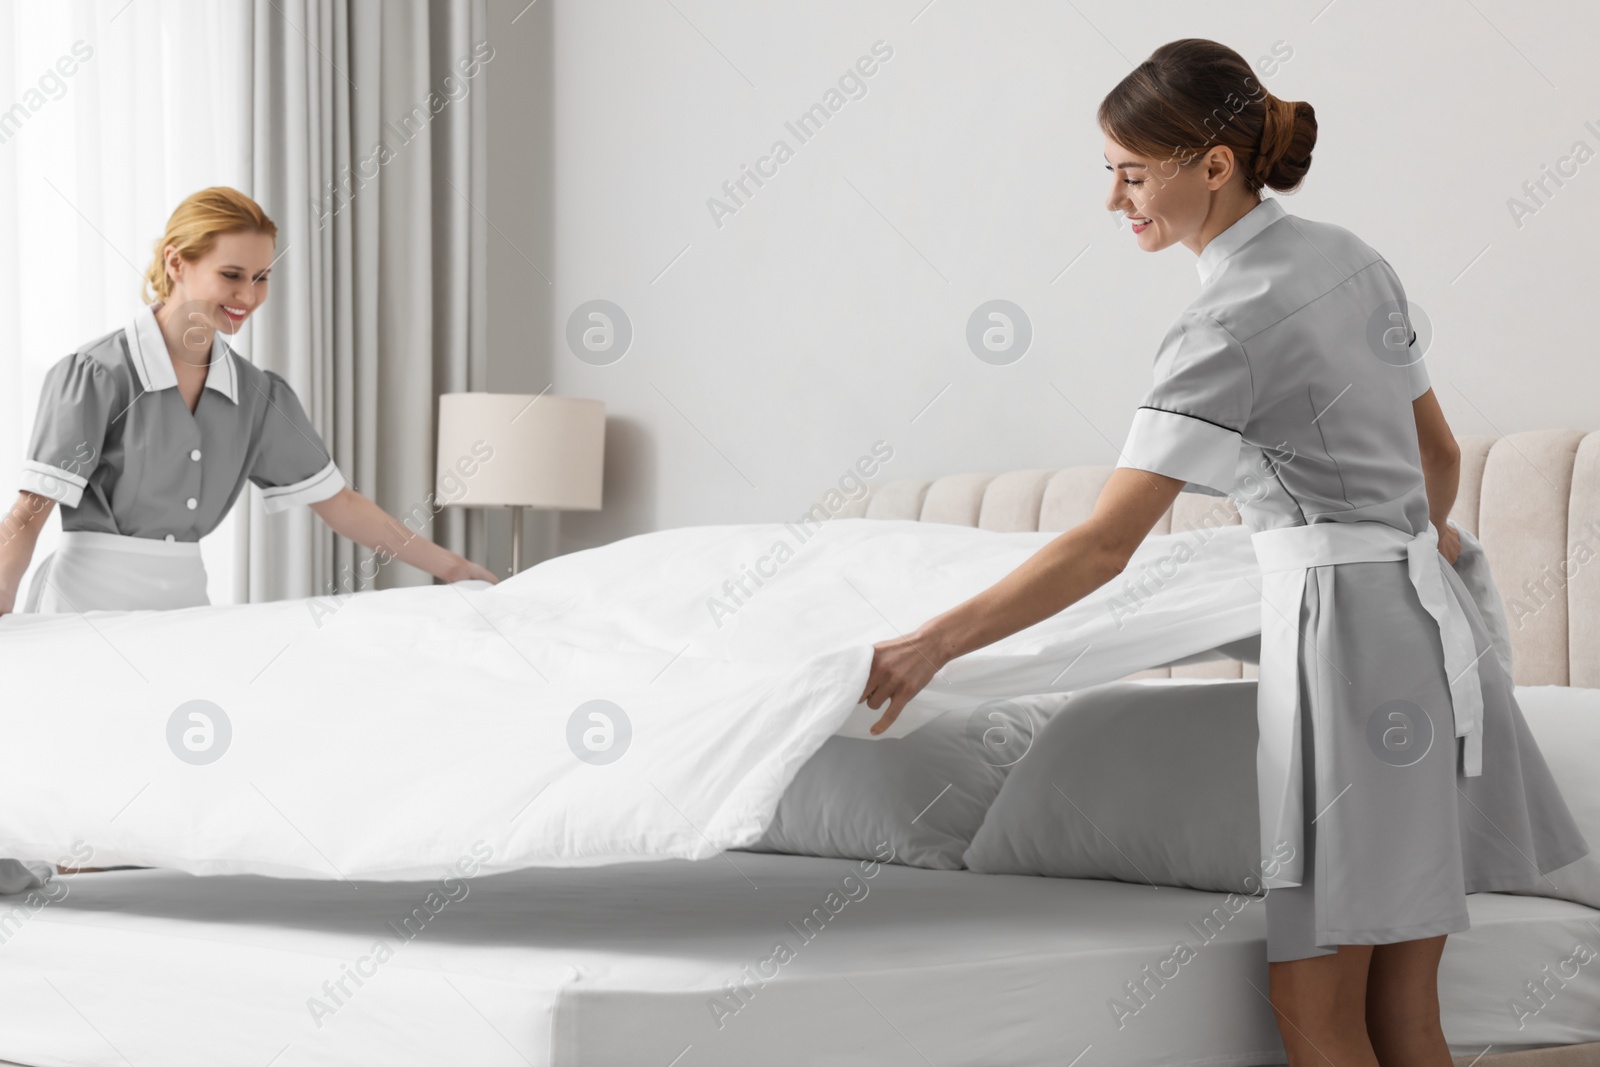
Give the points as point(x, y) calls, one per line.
point(1166, 203)
point(227, 284)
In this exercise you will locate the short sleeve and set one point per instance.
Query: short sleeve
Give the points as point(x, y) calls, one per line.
point(1417, 380)
point(1191, 422)
point(76, 404)
point(292, 466)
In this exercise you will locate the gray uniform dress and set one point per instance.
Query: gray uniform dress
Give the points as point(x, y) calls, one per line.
point(116, 446)
point(1287, 385)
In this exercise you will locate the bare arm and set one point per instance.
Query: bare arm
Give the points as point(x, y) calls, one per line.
point(1064, 571)
point(352, 515)
point(1441, 468)
point(19, 534)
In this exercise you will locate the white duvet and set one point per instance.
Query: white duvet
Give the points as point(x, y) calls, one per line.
point(648, 699)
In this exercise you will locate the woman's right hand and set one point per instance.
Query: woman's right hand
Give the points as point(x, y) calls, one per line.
point(901, 667)
point(19, 532)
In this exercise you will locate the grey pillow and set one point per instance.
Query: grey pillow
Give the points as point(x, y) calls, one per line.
point(1137, 781)
point(924, 794)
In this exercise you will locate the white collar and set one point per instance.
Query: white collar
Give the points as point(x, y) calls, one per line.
point(1236, 236)
point(154, 366)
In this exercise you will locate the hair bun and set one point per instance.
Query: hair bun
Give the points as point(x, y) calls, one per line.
point(1288, 133)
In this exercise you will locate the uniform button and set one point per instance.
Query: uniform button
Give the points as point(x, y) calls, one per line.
point(171, 538)
point(195, 454)
point(191, 503)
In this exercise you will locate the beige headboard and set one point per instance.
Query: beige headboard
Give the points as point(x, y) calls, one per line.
point(1533, 499)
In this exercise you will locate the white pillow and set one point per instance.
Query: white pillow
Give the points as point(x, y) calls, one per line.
point(19, 877)
point(1565, 722)
point(1139, 781)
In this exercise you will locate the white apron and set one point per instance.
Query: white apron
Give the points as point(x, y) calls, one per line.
point(1284, 554)
point(92, 571)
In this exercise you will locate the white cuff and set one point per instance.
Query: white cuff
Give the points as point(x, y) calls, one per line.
point(1417, 378)
point(320, 486)
point(60, 485)
point(1182, 446)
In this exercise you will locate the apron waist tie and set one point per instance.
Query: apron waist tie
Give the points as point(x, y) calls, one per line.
point(93, 540)
point(1285, 554)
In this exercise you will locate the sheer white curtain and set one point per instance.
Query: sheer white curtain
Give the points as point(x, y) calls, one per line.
point(111, 112)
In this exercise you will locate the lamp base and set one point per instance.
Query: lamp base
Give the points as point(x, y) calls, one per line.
point(516, 539)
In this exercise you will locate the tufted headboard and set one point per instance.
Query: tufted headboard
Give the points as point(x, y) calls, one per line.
point(1532, 498)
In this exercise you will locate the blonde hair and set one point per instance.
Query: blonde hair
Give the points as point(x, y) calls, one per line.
point(194, 227)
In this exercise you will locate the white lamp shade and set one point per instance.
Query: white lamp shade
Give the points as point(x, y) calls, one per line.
point(499, 449)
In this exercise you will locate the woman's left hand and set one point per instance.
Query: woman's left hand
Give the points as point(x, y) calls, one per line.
point(1449, 542)
point(352, 515)
point(466, 570)
point(901, 667)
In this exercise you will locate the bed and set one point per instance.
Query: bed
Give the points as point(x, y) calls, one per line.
point(650, 963)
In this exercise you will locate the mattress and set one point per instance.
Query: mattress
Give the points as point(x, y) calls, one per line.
point(676, 963)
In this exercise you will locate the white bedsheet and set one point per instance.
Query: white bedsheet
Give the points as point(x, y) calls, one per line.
point(619, 965)
point(392, 734)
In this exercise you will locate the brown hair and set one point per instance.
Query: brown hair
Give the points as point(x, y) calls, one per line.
point(1194, 94)
point(194, 228)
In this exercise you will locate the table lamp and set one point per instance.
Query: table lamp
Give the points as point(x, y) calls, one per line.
point(509, 450)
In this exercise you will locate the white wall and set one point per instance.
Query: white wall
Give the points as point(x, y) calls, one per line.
point(830, 311)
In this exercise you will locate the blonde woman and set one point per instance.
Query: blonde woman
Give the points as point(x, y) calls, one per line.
point(146, 436)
